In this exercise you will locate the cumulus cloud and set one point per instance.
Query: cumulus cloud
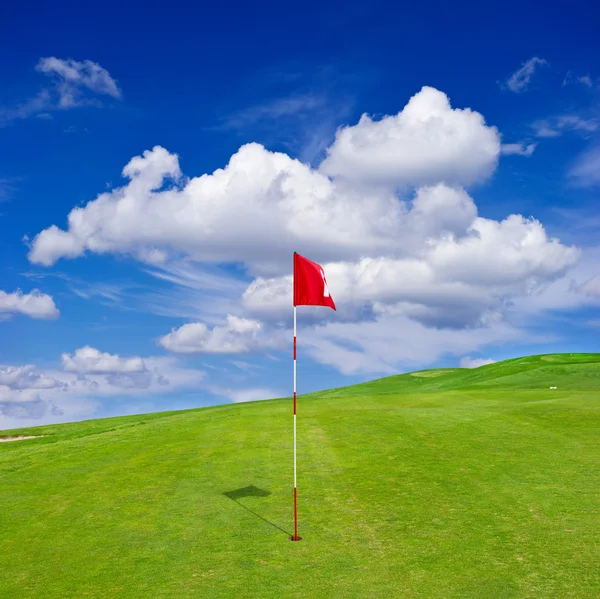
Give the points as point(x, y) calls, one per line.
point(264, 205)
point(563, 294)
point(468, 362)
point(380, 345)
point(237, 336)
point(520, 79)
point(27, 377)
point(60, 396)
point(88, 360)
point(34, 304)
point(121, 373)
point(427, 142)
point(17, 403)
point(462, 270)
point(387, 214)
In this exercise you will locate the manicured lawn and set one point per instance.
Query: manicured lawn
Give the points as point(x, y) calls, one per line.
point(458, 484)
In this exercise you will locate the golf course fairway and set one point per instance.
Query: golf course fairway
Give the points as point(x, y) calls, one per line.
point(453, 483)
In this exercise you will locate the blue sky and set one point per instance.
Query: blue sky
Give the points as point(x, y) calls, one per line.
point(441, 162)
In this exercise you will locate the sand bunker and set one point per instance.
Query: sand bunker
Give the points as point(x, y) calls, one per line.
point(20, 438)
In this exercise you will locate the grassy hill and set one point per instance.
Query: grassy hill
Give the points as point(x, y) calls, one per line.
point(442, 484)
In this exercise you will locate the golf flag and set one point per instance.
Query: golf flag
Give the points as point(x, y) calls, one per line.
point(310, 289)
point(310, 284)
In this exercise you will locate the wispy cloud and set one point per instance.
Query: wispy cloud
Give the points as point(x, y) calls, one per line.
point(584, 80)
point(110, 294)
point(180, 289)
point(579, 224)
point(520, 79)
point(556, 126)
point(272, 110)
point(196, 292)
point(586, 171)
point(72, 84)
point(301, 112)
point(304, 123)
point(519, 149)
point(72, 77)
point(246, 366)
point(7, 188)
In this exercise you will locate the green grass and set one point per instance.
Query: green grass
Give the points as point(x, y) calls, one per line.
point(467, 484)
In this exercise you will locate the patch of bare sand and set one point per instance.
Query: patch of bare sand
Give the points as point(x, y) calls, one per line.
point(20, 438)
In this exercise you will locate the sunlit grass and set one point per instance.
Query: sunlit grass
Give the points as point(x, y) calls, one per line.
point(469, 484)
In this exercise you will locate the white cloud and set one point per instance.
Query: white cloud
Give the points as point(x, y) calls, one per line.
point(88, 360)
point(73, 84)
point(237, 336)
point(562, 294)
point(462, 268)
point(468, 362)
point(574, 122)
point(26, 377)
point(265, 205)
point(520, 79)
point(427, 142)
point(10, 395)
point(382, 345)
point(451, 296)
point(420, 268)
point(73, 76)
point(592, 286)
point(192, 291)
point(545, 129)
point(585, 80)
point(257, 210)
point(53, 396)
point(519, 149)
point(34, 304)
point(17, 403)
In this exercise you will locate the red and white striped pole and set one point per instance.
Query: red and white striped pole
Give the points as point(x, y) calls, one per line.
point(295, 537)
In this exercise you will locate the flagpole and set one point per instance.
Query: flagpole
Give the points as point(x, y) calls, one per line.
point(295, 537)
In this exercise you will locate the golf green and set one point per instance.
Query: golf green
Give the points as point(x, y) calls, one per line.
point(441, 484)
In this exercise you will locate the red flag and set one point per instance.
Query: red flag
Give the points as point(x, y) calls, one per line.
point(310, 284)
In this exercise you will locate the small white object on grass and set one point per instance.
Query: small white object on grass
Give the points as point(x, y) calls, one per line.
point(553, 387)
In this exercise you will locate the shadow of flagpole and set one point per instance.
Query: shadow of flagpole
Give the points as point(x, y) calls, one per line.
point(252, 491)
